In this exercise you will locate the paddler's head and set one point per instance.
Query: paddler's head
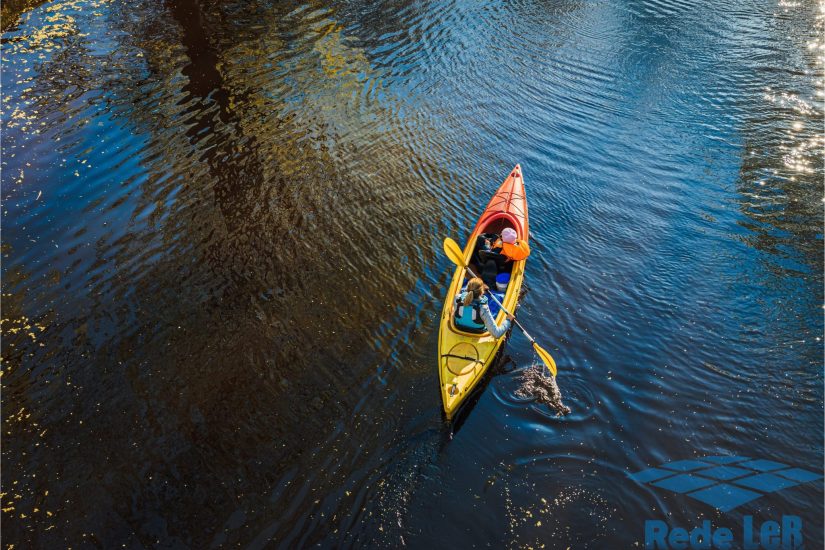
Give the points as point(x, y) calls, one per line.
point(509, 235)
point(475, 288)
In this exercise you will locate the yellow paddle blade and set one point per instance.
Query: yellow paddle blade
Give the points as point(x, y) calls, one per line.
point(454, 252)
point(547, 358)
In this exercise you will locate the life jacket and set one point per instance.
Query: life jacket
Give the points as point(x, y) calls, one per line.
point(469, 317)
point(518, 251)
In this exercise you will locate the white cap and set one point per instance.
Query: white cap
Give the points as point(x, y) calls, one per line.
point(508, 235)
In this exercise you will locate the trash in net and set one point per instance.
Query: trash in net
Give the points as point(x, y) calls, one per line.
point(538, 384)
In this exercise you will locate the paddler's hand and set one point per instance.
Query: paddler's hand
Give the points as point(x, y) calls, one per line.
point(511, 317)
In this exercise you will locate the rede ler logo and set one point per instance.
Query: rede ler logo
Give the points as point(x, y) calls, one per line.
point(771, 535)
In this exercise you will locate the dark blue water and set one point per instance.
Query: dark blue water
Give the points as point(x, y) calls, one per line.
point(222, 267)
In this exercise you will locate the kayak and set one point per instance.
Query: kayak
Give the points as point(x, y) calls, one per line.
point(464, 356)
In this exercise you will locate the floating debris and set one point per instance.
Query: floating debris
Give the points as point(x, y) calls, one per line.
point(539, 385)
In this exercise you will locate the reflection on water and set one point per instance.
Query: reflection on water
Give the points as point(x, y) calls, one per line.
point(221, 268)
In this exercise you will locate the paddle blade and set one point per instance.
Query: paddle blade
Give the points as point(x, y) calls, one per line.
point(546, 358)
point(454, 252)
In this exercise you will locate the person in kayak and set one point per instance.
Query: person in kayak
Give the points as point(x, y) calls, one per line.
point(511, 247)
point(473, 299)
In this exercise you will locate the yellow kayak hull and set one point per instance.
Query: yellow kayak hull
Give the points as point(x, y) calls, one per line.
point(463, 357)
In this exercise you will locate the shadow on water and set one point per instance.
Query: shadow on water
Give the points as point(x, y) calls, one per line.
point(12, 10)
point(501, 363)
point(207, 352)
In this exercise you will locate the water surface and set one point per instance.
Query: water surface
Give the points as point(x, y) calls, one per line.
point(222, 225)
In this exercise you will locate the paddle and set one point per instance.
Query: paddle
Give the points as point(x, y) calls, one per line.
point(456, 255)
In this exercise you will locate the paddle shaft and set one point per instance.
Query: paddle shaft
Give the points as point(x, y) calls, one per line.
point(493, 296)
